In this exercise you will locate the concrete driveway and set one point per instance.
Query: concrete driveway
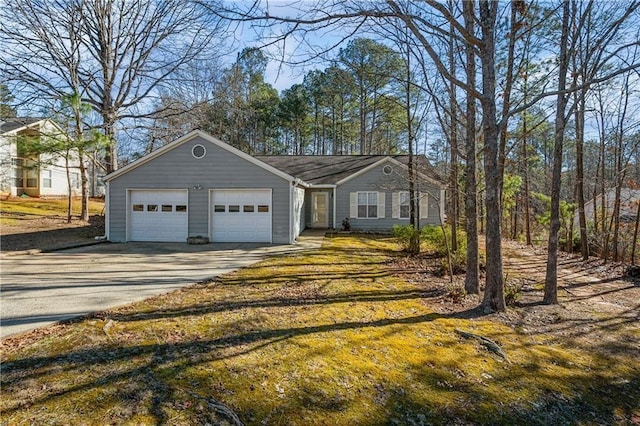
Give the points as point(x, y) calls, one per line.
point(40, 289)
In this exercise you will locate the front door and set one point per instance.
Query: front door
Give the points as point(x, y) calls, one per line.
point(319, 210)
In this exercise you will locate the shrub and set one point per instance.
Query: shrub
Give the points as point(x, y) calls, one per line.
point(455, 293)
point(433, 237)
point(511, 292)
point(407, 237)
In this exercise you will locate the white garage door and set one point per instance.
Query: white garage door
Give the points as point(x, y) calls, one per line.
point(158, 215)
point(241, 215)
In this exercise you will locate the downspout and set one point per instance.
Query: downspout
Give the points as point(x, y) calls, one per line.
point(107, 214)
point(335, 211)
point(291, 213)
point(292, 209)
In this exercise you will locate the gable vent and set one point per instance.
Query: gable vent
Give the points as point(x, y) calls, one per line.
point(198, 151)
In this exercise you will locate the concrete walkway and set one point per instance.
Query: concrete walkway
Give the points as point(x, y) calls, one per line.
point(40, 289)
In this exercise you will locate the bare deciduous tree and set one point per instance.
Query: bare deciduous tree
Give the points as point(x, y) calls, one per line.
point(125, 51)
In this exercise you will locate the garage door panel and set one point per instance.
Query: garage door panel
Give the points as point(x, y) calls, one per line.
point(160, 216)
point(241, 215)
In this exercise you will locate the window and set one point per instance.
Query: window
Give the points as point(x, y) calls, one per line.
point(403, 201)
point(181, 208)
point(234, 209)
point(75, 180)
point(167, 208)
point(152, 207)
point(138, 207)
point(18, 172)
point(219, 208)
point(367, 204)
point(46, 178)
point(387, 170)
point(32, 177)
point(247, 208)
point(263, 209)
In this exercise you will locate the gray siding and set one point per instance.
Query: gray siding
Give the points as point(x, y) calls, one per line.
point(376, 180)
point(219, 169)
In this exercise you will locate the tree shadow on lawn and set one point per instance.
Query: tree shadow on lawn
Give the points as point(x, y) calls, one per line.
point(147, 374)
point(53, 239)
point(158, 375)
point(277, 302)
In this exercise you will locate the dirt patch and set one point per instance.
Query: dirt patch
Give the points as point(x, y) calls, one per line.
point(49, 233)
point(599, 305)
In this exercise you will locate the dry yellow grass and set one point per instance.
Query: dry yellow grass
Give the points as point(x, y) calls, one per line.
point(16, 209)
point(326, 337)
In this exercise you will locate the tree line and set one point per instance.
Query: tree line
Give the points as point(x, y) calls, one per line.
point(353, 106)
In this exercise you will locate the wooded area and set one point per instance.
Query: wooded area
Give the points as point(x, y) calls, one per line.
point(531, 108)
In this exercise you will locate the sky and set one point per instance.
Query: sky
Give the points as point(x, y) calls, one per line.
point(292, 58)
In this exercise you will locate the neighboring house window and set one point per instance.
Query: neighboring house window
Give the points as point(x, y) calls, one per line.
point(18, 172)
point(32, 177)
point(46, 178)
point(75, 180)
point(25, 171)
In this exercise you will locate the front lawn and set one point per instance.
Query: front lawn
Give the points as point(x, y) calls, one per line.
point(334, 336)
point(17, 210)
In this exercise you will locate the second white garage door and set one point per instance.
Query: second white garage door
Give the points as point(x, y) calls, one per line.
point(158, 215)
point(241, 215)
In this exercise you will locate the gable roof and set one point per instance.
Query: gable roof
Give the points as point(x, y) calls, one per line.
point(336, 169)
point(9, 125)
point(208, 138)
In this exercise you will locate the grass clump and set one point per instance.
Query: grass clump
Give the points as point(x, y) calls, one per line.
point(329, 336)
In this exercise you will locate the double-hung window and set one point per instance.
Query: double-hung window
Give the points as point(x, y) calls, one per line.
point(368, 204)
point(405, 207)
point(46, 178)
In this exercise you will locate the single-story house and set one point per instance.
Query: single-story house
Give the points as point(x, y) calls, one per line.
point(35, 174)
point(201, 186)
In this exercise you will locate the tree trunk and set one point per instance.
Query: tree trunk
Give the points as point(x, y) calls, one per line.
point(494, 288)
point(551, 279)
point(84, 212)
point(111, 154)
point(525, 160)
point(453, 172)
point(414, 243)
point(69, 187)
point(582, 219)
point(472, 277)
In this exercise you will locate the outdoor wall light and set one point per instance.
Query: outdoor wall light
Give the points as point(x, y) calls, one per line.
point(197, 186)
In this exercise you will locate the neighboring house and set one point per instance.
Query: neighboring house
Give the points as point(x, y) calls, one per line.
point(200, 186)
point(629, 199)
point(36, 175)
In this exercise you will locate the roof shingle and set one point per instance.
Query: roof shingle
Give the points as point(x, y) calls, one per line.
point(330, 169)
